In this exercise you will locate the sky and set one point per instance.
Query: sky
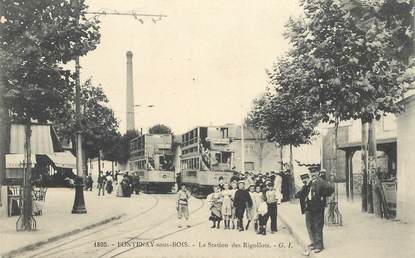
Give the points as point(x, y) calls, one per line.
point(201, 65)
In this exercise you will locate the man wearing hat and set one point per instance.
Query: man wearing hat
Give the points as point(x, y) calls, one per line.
point(314, 196)
point(241, 201)
point(302, 194)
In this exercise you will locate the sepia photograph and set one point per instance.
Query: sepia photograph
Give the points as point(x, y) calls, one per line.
point(207, 128)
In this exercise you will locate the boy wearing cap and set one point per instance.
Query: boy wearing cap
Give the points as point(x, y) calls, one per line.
point(273, 198)
point(241, 201)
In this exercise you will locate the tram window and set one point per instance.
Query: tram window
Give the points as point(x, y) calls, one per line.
point(197, 163)
point(226, 157)
point(217, 157)
point(224, 132)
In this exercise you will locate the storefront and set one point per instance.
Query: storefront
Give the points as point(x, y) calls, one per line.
point(47, 158)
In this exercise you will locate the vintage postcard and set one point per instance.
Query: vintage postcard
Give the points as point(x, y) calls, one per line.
point(195, 128)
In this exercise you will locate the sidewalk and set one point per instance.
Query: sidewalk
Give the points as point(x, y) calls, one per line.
point(57, 220)
point(362, 234)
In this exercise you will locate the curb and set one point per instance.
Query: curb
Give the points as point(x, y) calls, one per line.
point(295, 233)
point(58, 237)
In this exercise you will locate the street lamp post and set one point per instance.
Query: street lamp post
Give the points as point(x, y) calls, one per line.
point(79, 202)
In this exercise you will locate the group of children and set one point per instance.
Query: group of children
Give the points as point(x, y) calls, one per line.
point(232, 202)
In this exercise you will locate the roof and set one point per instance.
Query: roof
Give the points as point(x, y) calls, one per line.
point(357, 145)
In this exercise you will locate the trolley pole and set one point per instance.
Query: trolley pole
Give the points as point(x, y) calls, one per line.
point(79, 202)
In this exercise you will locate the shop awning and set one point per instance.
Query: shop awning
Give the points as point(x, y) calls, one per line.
point(63, 159)
point(18, 160)
point(41, 139)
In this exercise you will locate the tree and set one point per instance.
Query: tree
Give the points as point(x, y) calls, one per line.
point(284, 118)
point(398, 16)
point(159, 129)
point(98, 123)
point(348, 73)
point(126, 139)
point(36, 37)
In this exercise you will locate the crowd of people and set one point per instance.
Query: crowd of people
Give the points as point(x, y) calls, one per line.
point(125, 184)
point(255, 197)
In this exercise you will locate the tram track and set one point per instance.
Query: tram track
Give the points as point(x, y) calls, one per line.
point(154, 205)
point(152, 227)
point(59, 250)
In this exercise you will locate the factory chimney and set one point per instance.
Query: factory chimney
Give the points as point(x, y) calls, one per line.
point(130, 92)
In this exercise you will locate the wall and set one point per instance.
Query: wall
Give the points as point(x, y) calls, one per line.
point(406, 162)
point(105, 166)
point(253, 151)
point(270, 155)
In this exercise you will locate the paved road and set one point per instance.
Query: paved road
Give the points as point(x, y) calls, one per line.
point(153, 232)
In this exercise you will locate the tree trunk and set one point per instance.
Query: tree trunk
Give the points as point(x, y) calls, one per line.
point(333, 215)
point(4, 137)
point(4, 143)
point(374, 180)
point(292, 179)
point(281, 157)
point(364, 165)
point(26, 218)
point(99, 161)
point(333, 172)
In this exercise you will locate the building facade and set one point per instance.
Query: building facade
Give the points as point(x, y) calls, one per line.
point(260, 155)
point(406, 162)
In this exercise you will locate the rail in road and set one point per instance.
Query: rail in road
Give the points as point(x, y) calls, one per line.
point(160, 236)
point(78, 242)
point(108, 233)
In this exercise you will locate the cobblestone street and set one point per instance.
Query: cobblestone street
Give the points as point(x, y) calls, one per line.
point(153, 232)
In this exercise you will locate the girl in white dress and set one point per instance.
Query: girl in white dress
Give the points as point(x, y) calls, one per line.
point(227, 205)
point(234, 186)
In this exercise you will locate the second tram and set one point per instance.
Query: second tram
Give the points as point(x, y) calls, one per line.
point(206, 158)
point(152, 160)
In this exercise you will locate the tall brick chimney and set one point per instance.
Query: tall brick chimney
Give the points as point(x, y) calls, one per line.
point(130, 92)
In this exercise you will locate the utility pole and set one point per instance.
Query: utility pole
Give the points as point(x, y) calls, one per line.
point(242, 148)
point(79, 202)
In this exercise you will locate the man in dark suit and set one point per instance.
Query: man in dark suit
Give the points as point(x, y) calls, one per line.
point(313, 196)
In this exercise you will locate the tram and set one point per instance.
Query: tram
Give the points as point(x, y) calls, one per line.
point(206, 158)
point(152, 160)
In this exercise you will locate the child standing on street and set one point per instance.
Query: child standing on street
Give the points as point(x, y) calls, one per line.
point(183, 205)
point(262, 215)
point(250, 210)
point(256, 200)
point(226, 205)
point(216, 207)
point(233, 189)
point(241, 201)
point(273, 198)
